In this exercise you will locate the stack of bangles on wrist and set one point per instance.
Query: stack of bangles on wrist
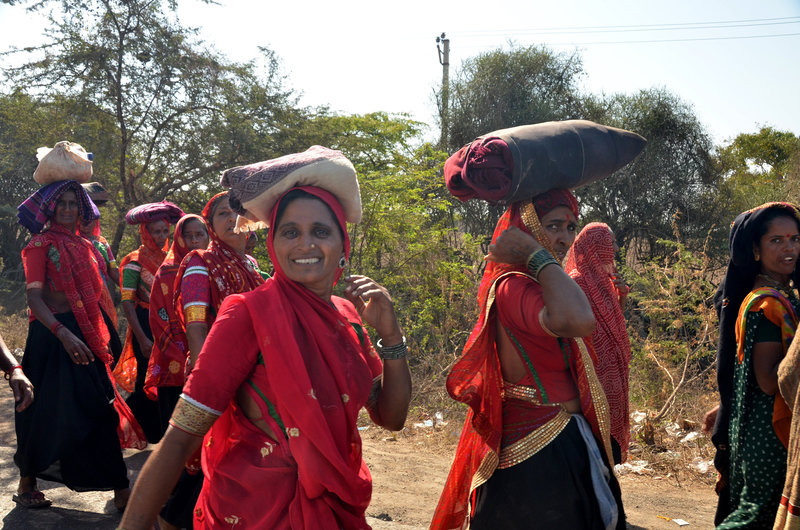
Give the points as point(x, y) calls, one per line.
point(11, 371)
point(538, 260)
point(398, 351)
point(56, 327)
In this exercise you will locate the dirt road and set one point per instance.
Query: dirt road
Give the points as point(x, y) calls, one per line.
point(408, 472)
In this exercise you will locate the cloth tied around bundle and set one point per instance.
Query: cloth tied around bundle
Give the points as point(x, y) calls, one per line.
point(522, 162)
point(256, 188)
point(154, 211)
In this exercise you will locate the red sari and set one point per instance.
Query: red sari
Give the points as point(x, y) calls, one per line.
point(77, 275)
point(170, 347)
point(309, 367)
point(591, 264)
point(476, 380)
point(228, 272)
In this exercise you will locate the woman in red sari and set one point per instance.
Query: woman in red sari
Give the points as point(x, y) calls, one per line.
point(282, 408)
point(74, 430)
point(165, 371)
point(203, 280)
point(591, 265)
point(136, 281)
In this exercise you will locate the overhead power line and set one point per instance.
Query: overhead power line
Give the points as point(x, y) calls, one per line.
point(719, 24)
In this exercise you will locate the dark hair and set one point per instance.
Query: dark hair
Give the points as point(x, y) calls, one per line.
point(196, 220)
point(295, 194)
point(769, 216)
point(215, 203)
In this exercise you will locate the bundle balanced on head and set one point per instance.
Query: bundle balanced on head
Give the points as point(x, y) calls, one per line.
point(535, 449)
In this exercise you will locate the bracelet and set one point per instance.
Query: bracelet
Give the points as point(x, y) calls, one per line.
point(538, 260)
point(56, 327)
point(11, 371)
point(398, 351)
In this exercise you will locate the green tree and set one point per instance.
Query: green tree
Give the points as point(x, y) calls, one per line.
point(181, 112)
point(669, 181)
point(505, 88)
point(757, 168)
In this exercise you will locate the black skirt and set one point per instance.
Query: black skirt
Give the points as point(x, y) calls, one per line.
point(144, 409)
point(550, 490)
point(69, 433)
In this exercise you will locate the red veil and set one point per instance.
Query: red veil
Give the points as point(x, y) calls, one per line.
point(170, 348)
point(476, 380)
point(319, 371)
point(590, 263)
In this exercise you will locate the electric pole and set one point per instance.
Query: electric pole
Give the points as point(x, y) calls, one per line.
point(444, 60)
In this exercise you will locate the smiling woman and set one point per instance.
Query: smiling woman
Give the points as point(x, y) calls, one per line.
point(279, 414)
point(756, 328)
point(75, 428)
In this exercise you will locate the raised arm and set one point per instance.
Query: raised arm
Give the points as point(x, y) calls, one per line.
point(567, 311)
point(375, 305)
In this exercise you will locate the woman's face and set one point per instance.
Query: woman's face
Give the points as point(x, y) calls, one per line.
point(779, 248)
point(308, 245)
point(67, 210)
point(159, 231)
point(195, 235)
point(223, 223)
point(561, 227)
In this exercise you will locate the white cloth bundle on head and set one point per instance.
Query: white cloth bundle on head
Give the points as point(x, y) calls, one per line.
point(255, 188)
point(65, 161)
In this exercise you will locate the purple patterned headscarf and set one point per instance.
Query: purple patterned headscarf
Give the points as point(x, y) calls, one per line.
point(36, 210)
point(154, 211)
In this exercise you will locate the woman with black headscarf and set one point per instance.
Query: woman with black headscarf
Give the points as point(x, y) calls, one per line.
point(758, 306)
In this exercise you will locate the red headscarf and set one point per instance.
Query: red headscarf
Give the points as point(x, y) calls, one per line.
point(170, 348)
point(591, 264)
point(149, 255)
point(308, 344)
point(228, 272)
point(476, 380)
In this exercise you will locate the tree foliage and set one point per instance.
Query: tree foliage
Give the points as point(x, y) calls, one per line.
point(180, 112)
point(670, 180)
point(505, 88)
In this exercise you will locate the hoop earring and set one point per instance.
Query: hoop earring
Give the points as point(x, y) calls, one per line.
point(342, 262)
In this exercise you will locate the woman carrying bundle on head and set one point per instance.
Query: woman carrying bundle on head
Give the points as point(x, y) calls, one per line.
point(591, 264)
point(758, 306)
point(138, 270)
point(74, 430)
point(535, 449)
point(281, 410)
point(167, 365)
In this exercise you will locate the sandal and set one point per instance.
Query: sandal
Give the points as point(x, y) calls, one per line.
point(31, 499)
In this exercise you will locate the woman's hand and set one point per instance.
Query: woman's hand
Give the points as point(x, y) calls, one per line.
point(77, 351)
point(374, 303)
point(146, 346)
point(512, 246)
point(22, 388)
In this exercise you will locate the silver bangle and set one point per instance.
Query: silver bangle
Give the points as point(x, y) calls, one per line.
point(398, 351)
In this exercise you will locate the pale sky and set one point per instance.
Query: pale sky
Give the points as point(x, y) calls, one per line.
point(364, 56)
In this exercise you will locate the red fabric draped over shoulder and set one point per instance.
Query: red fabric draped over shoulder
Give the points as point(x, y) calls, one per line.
point(170, 348)
point(476, 380)
point(591, 264)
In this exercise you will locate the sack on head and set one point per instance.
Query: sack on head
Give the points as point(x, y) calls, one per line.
point(65, 161)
